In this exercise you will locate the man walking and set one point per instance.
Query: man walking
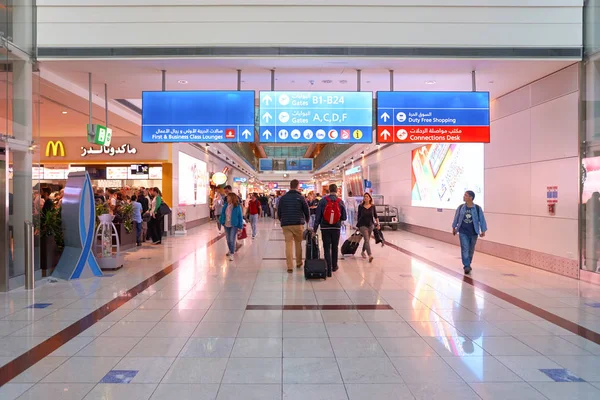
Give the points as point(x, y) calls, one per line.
point(469, 223)
point(331, 212)
point(293, 214)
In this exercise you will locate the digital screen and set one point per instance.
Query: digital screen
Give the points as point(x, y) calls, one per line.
point(193, 181)
point(116, 173)
point(73, 168)
point(198, 116)
point(240, 179)
point(299, 164)
point(96, 173)
point(266, 164)
point(442, 173)
point(590, 178)
point(439, 117)
point(37, 173)
point(155, 172)
point(355, 181)
point(58, 174)
point(139, 171)
point(316, 117)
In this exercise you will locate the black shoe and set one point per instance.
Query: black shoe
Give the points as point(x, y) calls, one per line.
point(468, 270)
point(329, 274)
point(335, 269)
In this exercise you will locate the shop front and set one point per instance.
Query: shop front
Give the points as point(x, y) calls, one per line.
point(126, 163)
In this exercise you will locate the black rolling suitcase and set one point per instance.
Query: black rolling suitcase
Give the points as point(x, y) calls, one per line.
point(314, 268)
point(351, 244)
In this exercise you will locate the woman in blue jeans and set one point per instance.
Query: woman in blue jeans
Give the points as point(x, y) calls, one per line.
point(469, 222)
point(232, 220)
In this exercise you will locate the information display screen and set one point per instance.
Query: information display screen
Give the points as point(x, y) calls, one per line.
point(139, 171)
point(116, 173)
point(55, 174)
point(316, 117)
point(355, 181)
point(198, 116)
point(193, 181)
point(155, 172)
point(443, 172)
point(438, 117)
point(299, 164)
point(266, 164)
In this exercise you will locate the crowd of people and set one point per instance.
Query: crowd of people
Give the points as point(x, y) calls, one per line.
point(330, 215)
point(146, 205)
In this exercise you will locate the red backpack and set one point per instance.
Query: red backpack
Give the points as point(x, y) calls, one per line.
point(332, 213)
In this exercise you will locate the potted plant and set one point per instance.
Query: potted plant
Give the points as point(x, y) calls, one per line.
point(51, 238)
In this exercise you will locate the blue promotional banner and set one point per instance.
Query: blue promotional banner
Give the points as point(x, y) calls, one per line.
point(316, 117)
point(265, 164)
point(198, 116)
point(299, 164)
point(451, 117)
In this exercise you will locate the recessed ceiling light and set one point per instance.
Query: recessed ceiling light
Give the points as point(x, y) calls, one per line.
point(182, 82)
point(430, 82)
point(65, 112)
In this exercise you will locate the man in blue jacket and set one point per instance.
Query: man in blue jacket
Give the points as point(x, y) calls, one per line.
point(331, 212)
point(293, 214)
point(469, 223)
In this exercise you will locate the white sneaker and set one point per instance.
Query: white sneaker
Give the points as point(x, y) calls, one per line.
point(230, 257)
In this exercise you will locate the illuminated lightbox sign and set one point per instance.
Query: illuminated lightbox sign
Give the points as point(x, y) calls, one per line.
point(316, 117)
point(198, 116)
point(436, 117)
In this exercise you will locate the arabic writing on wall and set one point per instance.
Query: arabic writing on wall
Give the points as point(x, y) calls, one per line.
point(110, 150)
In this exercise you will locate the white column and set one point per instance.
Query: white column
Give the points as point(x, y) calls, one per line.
point(22, 101)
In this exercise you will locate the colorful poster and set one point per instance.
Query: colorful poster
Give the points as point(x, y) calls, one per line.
point(193, 181)
point(442, 172)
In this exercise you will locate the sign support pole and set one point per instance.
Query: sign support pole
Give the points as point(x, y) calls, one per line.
point(358, 79)
point(239, 79)
point(272, 80)
point(90, 129)
point(106, 103)
point(391, 80)
point(164, 80)
point(473, 81)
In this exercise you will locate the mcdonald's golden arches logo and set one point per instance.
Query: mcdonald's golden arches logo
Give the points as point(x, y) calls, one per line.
point(56, 148)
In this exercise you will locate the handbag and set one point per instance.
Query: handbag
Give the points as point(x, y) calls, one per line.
point(164, 209)
point(242, 233)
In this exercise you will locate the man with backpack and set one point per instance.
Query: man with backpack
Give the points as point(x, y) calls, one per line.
point(331, 212)
point(293, 214)
point(469, 223)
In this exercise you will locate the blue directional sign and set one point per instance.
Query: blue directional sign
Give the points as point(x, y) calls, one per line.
point(316, 117)
point(198, 116)
point(452, 117)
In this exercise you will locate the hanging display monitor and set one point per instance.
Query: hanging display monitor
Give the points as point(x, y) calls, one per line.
point(299, 164)
point(265, 164)
point(316, 117)
point(435, 117)
point(198, 116)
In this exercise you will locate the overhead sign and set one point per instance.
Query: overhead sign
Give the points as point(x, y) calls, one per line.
point(265, 164)
point(449, 117)
point(198, 116)
point(316, 117)
point(99, 134)
point(237, 179)
point(299, 164)
point(108, 150)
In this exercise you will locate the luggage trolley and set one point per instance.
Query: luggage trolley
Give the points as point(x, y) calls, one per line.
point(388, 216)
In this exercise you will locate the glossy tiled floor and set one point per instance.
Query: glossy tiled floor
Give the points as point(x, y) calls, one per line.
point(189, 335)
